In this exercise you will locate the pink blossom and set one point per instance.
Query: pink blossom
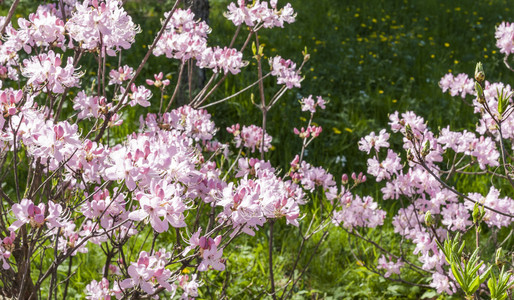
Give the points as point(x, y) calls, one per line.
point(149, 271)
point(158, 82)
point(390, 266)
point(385, 169)
point(460, 84)
point(372, 141)
point(184, 38)
point(505, 37)
point(358, 212)
point(26, 212)
point(257, 13)
point(9, 99)
point(89, 107)
point(140, 95)
point(442, 284)
point(98, 290)
point(105, 24)
point(44, 72)
point(250, 137)
point(121, 75)
point(285, 71)
point(308, 104)
point(226, 59)
point(190, 287)
point(42, 29)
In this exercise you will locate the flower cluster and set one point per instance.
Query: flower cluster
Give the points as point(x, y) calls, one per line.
point(186, 38)
point(250, 137)
point(505, 37)
point(121, 75)
point(44, 72)
point(102, 24)
point(149, 270)
point(308, 104)
point(315, 131)
point(390, 266)
point(259, 195)
point(42, 29)
point(258, 13)
point(194, 123)
point(158, 82)
point(285, 71)
point(457, 85)
point(358, 212)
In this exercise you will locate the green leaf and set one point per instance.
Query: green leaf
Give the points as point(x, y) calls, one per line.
point(491, 284)
point(457, 274)
point(473, 287)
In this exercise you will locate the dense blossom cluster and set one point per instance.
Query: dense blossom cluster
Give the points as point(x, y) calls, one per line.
point(45, 73)
point(250, 137)
point(258, 13)
point(186, 38)
point(460, 85)
point(505, 37)
point(259, 195)
point(285, 71)
point(102, 24)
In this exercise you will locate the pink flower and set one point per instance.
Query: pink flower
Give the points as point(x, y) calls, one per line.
point(149, 271)
point(26, 212)
point(372, 141)
point(98, 290)
point(505, 37)
point(44, 72)
point(9, 100)
point(151, 207)
point(121, 75)
point(158, 82)
point(258, 13)
point(461, 84)
point(140, 95)
point(184, 38)
point(226, 59)
point(190, 287)
point(250, 137)
point(390, 266)
point(358, 212)
point(285, 71)
point(42, 29)
point(97, 23)
point(211, 256)
point(308, 104)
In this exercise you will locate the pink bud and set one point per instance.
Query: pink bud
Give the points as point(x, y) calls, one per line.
point(344, 178)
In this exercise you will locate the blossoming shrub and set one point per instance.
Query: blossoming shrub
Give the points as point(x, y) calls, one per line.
point(438, 216)
point(162, 204)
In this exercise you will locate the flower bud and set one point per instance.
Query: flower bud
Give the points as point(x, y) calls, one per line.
point(479, 72)
point(344, 178)
point(429, 220)
point(408, 132)
point(497, 256)
point(410, 156)
point(426, 149)
point(477, 216)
